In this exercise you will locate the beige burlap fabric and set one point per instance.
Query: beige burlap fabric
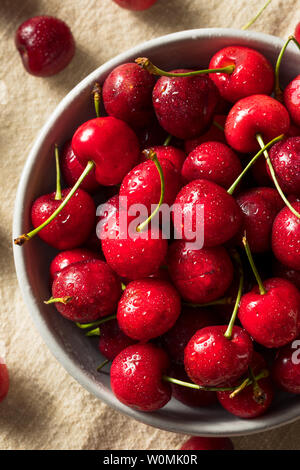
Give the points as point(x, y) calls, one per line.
point(46, 408)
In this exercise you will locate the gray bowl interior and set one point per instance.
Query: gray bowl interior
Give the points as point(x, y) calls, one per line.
point(76, 353)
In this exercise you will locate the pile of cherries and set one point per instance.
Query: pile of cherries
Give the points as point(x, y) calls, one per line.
point(215, 324)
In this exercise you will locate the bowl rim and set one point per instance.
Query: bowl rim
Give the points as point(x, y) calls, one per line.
point(239, 427)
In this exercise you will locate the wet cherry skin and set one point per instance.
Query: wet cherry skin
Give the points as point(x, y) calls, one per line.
point(72, 168)
point(286, 367)
point(291, 98)
point(65, 258)
point(285, 158)
point(208, 443)
point(286, 237)
point(136, 5)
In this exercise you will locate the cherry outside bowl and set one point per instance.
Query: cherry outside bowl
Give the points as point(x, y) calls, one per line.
point(78, 354)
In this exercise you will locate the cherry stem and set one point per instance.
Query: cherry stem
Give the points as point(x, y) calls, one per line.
point(222, 301)
point(102, 365)
point(259, 395)
point(248, 381)
point(151, 68)
point(61, 300)
point(97, 98)
point(152, 156)
point(84, 326)
point(277, 89)
point(275, 181)
point(27, 236)
point(228, 332)
point(123, 286)
point(262, 289)
point(250, 23)
point(218, 126)
point(95, 332)
point(269, 144)
point(168, 140)
point(58, 184)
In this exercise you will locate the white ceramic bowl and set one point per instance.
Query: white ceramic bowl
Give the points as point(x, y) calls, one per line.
point(76, 353)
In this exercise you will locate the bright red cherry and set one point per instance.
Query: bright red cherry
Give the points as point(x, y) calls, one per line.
point(112, 340)
point(259, 207)
point(213, 161)
point(173, 154)
point(46, 45)
point(127, 95)
point(285, 158)
point(110, 144)
point(253, 73)
point(286, 368)
point(136, 377)
point(214, 134)
point(200, 276)
point(208, 443)
point(211, 359)
point(291, 98)
point(185, 106)
point(256, 114)
point(65, 258)
point(286, 237)
point(222, 215)
point(297, 32)
point(86, 291)
point(271, 318)
point(72, 226)
point(136, 5)
point(72, 168)
point(4, 381)
point(148, 308)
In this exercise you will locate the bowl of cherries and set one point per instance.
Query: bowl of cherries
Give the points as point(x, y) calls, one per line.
point(157, 232)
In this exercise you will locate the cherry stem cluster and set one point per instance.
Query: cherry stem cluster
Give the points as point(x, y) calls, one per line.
point(151, 68)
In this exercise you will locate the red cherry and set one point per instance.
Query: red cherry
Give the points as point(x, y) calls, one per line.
point(272, 318)
point(208, 443)
point(72, 168)
point(127, 95)
point(190, 320)
point(211, 359)
point(4, 381)
point(286, 368)
point(200, 276)
point(148, 308)
point(213, 161)
point(110, 144)
point(65, 258)
point(214, 134)
point(112, 340)
point(285, 158)
point(72, 226)
point(286, 237)
point(185, 106)
point(89, 289)
point(189, 396)
point(291, 98)
point(260, 207)
point(294, 131)
point(245, 404)
point(297, 32)
point(46, 45)
point(135, 4)
point(173, 154)
point(136, 377)
point(290, 274)
point(256, 114)
point(253, 73)
point(222, 215)
point(151, 135)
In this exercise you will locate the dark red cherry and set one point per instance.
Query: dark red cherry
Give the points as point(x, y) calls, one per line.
point(4, 380)
point(135, 4)
point(127, 95)
point(286, 237)
point(256, 114)
point(222, 215)
point(253, 73)
point(190, 320)
point(151, 135)
point(189, 396)
point(200, 276)
point(259, 207)
point(273, 318)
point(208, 443)
point(285, 158)
point(111, 144)
point(246, 404)
point(260, 173)
point(291, 98)
point(72, 226)
point(65, 258)
point(112, 340)
point(214, 134)
point(46, 45)
point(136, 377)
point(148, 308)
point(89, 289)
point(72, 168)
point(211, 359)
point(185, 106)
point(173, 154)
point(286, 367)
point(290, 274)
point(213, 161)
